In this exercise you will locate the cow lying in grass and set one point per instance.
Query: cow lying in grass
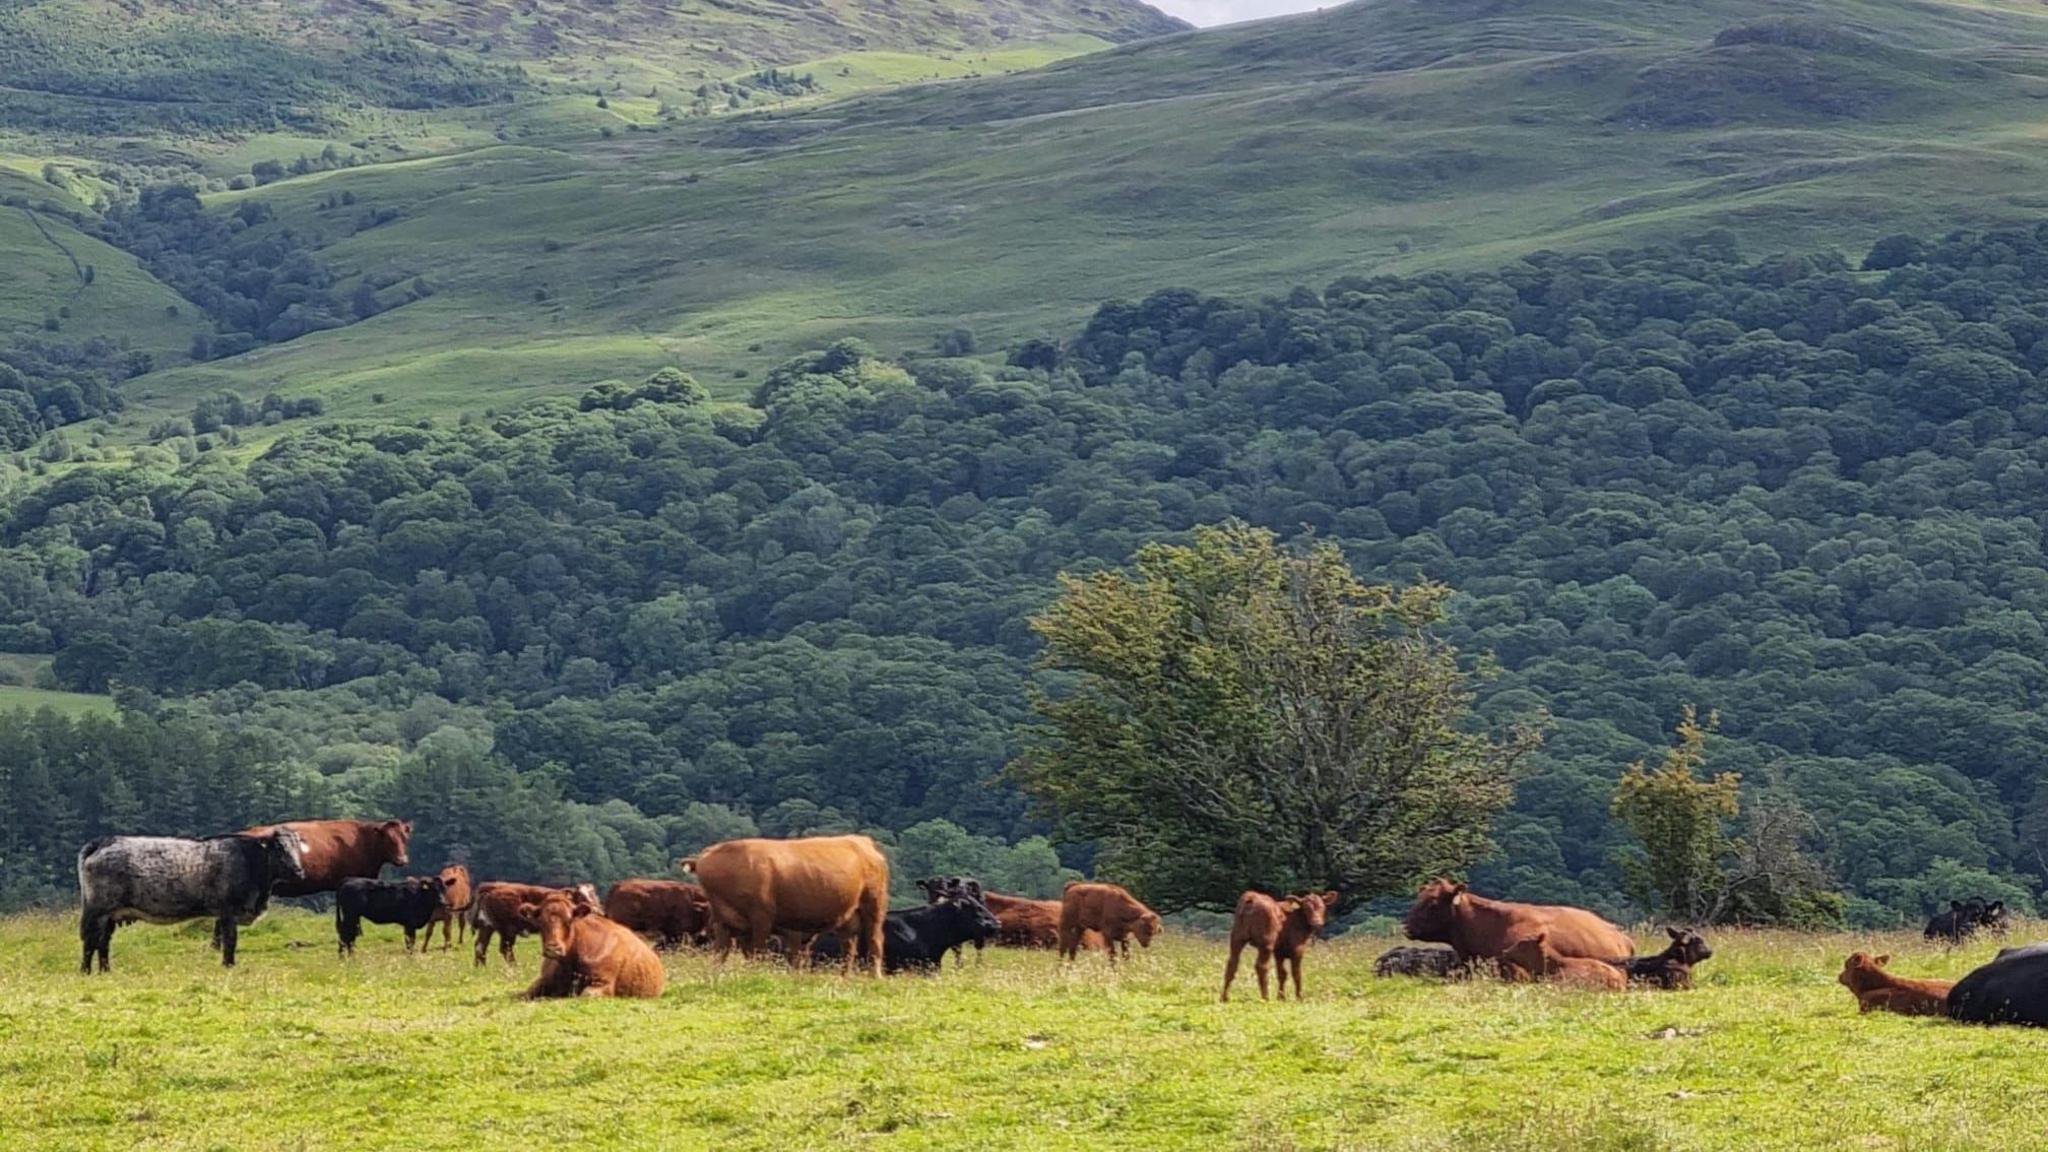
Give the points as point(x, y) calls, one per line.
point(1670, 969)
point(1438, 963)
point(1536, 956)
point(1476, 927)
point(1878, 990)
point(585, 954)
point(918, 939)
point(2011, 989)
point(1965, 917)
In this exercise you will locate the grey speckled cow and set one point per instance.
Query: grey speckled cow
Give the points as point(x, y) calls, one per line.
point(167, 880)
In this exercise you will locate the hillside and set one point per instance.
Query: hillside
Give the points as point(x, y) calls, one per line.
point(1388, 134)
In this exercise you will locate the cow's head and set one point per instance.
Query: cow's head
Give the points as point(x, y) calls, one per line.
point(455, 879)
point(394, 837)
point(1687, 946)
point(555, 917)
point(1434, 915)
point(1995, 917)
point(1148, 926)
point(435, 885)
point(985, 925)
point(285, 853)
point(1312, 907)
point(1858, 968)
point(934, 889)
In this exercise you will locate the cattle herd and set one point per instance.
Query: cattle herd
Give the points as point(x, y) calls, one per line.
point(826, 899)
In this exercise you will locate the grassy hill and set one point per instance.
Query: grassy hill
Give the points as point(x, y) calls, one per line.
point(297, 1049)
point(1385, 135)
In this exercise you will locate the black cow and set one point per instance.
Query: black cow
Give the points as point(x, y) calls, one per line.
point(937, 888)
point(919, 938)
point(2011, 989)
point(1441, 963)
point(168, 880)
point(1960, 922)
point(1670, 969)
point(1996, 920)
point(410, 904)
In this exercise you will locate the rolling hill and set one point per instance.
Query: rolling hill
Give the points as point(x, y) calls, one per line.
point(1387, 135)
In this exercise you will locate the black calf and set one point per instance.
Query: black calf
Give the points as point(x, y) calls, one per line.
point(1670, 969)
point(920, 937)
point(410, 904)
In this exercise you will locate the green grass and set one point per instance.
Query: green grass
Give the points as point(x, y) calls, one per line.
point(298, 1050)
point(1389, 135)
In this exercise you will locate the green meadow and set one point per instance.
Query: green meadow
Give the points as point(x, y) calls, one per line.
point(298, 1050)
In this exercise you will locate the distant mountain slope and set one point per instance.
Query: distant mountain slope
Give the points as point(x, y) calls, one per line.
point(1385, 135)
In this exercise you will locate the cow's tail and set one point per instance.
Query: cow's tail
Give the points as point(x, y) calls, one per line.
point(93, 846)
point(85, 854)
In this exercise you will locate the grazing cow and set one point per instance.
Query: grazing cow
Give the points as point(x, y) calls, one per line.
point(1536, 956)
point(585, 953)
point(1109, 910)
point(1277, 928)
point(1445, 913)
point(168, 880)
point(2011, 989)
point(454, 909)
point(495, 910)
point(762, 888)
point(337, 850)
point(1959, 923)
point(673, 912)
point(1441, 963)
point(919, 938)
point(410, 904)
point(1670, 969)
point(1875, 988)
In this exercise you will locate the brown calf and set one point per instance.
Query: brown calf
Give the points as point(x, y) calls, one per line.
point(1277, 928)
point(1878, 990)
point(672, 912)
point(452, 916)
point(496, 909)
point(1109, 910)
point(583, 953)
point(1536, 956)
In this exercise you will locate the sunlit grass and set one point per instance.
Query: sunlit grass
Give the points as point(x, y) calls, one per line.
point(296, 1049)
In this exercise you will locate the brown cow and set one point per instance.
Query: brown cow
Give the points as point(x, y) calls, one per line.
point(585, 953)
point(759, 888)
point(1109, 910)
point(1031, 923)
point(1445, 913)
point(1534, 955)
point(1877, 989)
point(1281, 928)
point(496, 909)
point(670, 910)
point(338, 850)
point(451, 915)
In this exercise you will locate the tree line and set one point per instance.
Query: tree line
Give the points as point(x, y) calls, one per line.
point(1794, 491)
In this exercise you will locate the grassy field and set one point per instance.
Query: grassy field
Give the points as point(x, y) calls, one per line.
point(297, 1050)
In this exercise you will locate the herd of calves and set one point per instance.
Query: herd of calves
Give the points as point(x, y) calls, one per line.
point(826, 898)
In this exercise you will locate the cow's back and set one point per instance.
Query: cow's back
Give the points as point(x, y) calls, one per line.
point(2011, 989)
point(496, 903)
point(1107, 908)
point(1573, 932)
point(809, 885)
point(658, 907)
point(165, 879)
point(336, 850)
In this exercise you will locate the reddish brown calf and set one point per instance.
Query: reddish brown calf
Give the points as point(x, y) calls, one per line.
point(1535, 955)
point(1280, 929)
point(453, 915)
point(1877, 990)
point(585, 954)
point(1109, 910)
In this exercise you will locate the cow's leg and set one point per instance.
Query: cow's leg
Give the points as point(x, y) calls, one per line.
point(1263, 965)
point(1294, 963)
point(506, 939)
point(409, 934)
point(461, 923)
point(601, 989)
point(230, 933)
point(871, 914)
point(1230, 967)
point(106, 942)
point(94, 932)
point(483, 942)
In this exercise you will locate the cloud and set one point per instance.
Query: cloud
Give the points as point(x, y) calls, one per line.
point(1208, 12)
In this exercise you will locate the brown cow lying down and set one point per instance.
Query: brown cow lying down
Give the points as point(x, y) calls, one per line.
point(1534, 955)
point(672, 912)
point(1109, 910)
point(1277, 928)
point(583, 953)
point(1445, 913)
point(496, 909)
point(802, 888)
point(1879, 990)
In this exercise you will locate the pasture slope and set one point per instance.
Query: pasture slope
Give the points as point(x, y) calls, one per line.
point(1384, 135)
point(296, 1050)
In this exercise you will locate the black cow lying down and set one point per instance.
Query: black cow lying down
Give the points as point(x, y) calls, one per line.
point(410, 904)
point(920, 937)
point(168, 880)
point(2011, 989)
point(1670, 969)
point(1439, 963)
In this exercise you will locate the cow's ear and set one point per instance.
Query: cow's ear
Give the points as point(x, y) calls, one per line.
point(1330, 899)
point(582, 909)
point(1881, 961)
point(1996, 906)
point(1675, 933)
point(1291, 904)
point(1955, 905)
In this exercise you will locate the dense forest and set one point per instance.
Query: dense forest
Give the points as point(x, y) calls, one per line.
point(1801, 492)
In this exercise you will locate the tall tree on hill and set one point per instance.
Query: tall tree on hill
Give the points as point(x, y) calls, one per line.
point(1234, 713)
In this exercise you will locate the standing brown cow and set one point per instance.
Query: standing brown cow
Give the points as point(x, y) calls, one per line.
point(1109, 910)
point(338, 850)
point(759, 888)
point(1281, 928)
point(452, 916)
point(1445, 913)
point(584, 953)
point(670, 910)
point(497, 906)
